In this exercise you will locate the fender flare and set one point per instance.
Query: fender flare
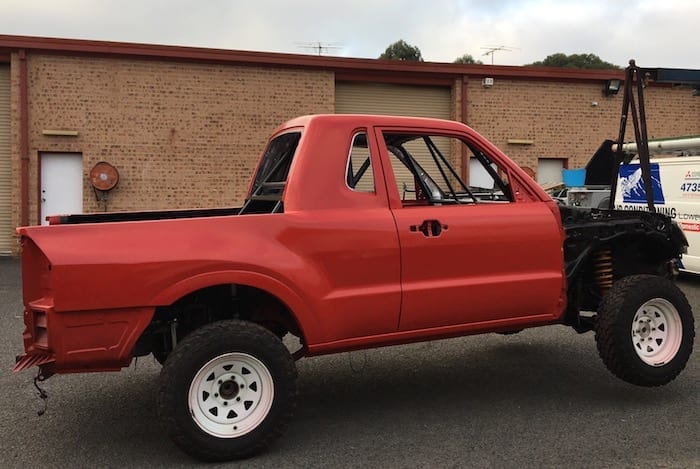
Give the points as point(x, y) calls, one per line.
point(285, 294)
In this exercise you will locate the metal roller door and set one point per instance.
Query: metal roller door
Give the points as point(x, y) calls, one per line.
point(399, 100)
point(7, 241)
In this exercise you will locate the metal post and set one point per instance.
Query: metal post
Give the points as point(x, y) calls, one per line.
point(633, 73)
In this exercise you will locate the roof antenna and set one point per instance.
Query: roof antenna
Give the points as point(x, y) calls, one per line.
point(491, 50)
point(320, 47)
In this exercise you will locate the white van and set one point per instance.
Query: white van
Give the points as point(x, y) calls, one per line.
point(676, 185)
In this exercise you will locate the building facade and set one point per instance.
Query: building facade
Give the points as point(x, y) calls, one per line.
point(184, 127)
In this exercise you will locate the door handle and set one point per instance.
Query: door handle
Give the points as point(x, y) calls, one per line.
point(429, 228)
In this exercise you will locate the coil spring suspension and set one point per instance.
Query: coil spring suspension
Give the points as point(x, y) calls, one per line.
point(603, 270)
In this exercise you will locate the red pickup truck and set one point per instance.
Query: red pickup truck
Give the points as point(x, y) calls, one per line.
point(357, 232)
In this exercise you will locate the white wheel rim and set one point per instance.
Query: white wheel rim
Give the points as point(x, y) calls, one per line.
point(231, 395)
point(656, 332)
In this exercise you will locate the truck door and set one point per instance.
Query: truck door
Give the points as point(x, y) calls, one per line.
point(469, 255)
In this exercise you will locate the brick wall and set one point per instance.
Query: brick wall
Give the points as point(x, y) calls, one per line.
point(15, 140)
point(181, 134)
point(563, 122)
point(186, 134)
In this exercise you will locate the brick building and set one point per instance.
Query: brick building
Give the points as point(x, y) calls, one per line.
point(185, 126)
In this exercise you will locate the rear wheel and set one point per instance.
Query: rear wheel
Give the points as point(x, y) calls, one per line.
point(645, 330)
point(227, 391)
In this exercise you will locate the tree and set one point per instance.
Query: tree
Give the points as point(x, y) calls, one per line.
point(401, 50)
point(467, 59)
point(575, 61)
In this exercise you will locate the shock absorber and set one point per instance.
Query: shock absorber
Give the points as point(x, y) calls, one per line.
point(603, 269)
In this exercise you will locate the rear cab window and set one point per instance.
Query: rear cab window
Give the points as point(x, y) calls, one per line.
point(265, 194)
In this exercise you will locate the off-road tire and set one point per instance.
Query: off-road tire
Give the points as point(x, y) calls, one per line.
point(643, 308)
point(231, 352)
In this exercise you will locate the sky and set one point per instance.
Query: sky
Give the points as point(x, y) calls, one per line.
point(657, 33)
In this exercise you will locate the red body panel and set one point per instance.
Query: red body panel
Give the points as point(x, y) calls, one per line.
point(464, 276)
point(345, 263)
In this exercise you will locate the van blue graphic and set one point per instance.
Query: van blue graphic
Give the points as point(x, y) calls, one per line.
point(632, 185)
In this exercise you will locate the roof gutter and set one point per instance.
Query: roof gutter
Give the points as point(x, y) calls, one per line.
point(343, 65)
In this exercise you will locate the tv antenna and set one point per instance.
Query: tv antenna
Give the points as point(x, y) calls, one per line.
point(319, 47)
point(491, 50)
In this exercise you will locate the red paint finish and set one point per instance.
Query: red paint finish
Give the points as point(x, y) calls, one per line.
point(344, 262)
point(462, 276)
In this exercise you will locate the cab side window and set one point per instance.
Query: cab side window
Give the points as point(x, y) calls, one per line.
point(359, 175)
point(427, 171)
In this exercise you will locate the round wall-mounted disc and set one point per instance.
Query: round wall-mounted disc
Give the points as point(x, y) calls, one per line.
point(104, 176)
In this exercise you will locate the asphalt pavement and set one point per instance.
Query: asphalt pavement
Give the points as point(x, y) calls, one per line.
point(541, 398)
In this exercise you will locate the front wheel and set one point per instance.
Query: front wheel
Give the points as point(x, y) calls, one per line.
point(227, 391)
point(645, 330)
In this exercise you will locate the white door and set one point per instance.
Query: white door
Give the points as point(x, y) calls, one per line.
point(549, 170)
point(61, 184)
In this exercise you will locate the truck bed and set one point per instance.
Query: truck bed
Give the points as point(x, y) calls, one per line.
point(141, 216)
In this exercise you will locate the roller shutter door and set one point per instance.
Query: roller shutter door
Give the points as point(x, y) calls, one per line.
point(7, 241)
point(400, 100)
